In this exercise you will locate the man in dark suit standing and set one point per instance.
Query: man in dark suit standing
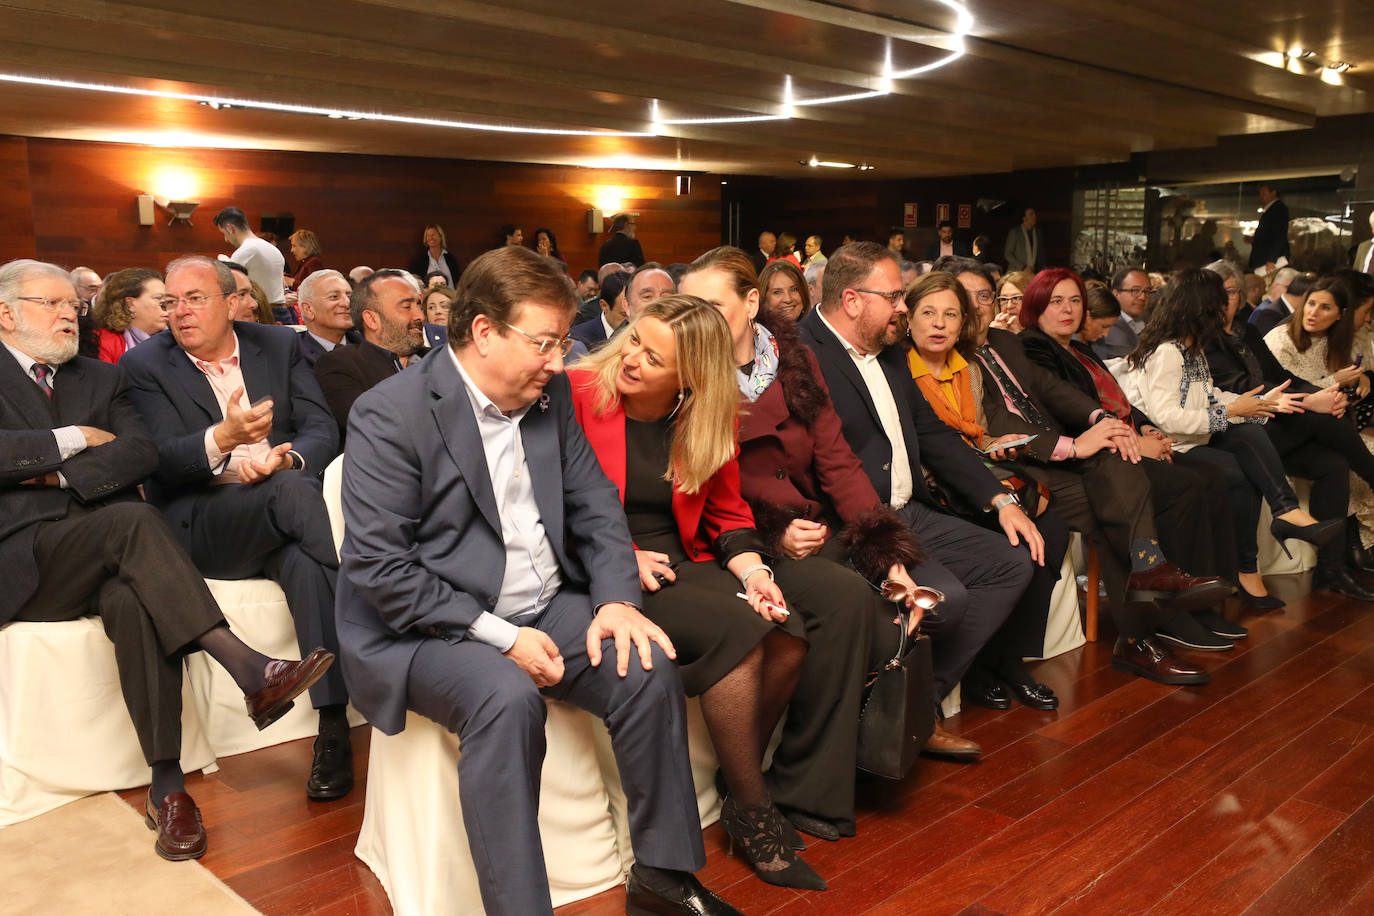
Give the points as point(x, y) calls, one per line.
point(946, 245)
point(76, 539)
point(243, 434)
point(893, 431)
point(387, 307)
point(324, 301)
point(622, 246)
point(1271, 235)
point(472, 588)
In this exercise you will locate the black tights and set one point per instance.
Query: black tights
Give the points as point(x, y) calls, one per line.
point(1253, 470)
point(743, 707)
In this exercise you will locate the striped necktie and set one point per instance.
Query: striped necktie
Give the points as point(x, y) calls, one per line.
point(40, 375)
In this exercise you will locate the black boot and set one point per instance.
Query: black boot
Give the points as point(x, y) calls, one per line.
point(1336, 579)
point(1357, 556)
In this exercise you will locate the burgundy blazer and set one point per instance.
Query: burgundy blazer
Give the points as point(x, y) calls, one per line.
point(306, 268)
point(702, 516)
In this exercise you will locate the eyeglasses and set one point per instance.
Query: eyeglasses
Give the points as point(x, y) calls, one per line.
point(564, 345)
point(1008, 300)
point(1138, 291)
point(57, 305)
point(194, 302)
point(983, 296)
point(892, 296)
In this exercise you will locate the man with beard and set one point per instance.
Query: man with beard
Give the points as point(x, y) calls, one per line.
point(242, 436)
point(328, 316)
point(387, 306)
point(76, 539)
point(893, 430)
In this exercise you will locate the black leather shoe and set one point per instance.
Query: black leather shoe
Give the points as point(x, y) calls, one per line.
point(1219, 625)
point(1359, 558)
point(1340, 582)
point(1149, 658)
point(331, 772)
point(989, 693)
point(1036, 696)
point(1184, 631)
point(811, 825)
point(690, 898)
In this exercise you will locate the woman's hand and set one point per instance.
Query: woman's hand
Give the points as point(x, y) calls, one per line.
point(650, 562)
point(1285, 401)
point(915, 612)
point(1099, 436)
point(766, 598)
point(1328, 400)
point(1008, 321)
point(1250, 404)
point(1154, 444)
point(1362, 386)
point(804, 538)
point(1347, 376)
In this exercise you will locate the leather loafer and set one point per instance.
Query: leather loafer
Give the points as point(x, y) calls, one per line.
point(1036, 696)
point(1148, 658)
point(1340, 582)
point(1174, 588)
point(944, 744)
point(286, 680)
point(180, 833)
point(331, 772)
point(811, 825)
point(690, 899)
point(987, 693)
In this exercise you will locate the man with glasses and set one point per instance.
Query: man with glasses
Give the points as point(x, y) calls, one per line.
point(893, 431)
point(472, 588)
point(326, 309)
point(1131, 286)
point(76, 539)
point(243, 435)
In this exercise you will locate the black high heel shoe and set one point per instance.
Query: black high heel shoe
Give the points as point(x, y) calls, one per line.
point(1263, 602)
point(1316, 534)
point(758, 834)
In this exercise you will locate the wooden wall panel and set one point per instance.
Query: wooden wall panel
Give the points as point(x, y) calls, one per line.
point(365, 209)
point(16, 200)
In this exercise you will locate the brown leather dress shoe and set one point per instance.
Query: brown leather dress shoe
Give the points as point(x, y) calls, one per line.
point(285, 681)
point(1174, 588)
point(943, 744)
point(180, 834)
point(1148, 658)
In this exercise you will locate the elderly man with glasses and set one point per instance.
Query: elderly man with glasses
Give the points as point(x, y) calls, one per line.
point(1131, 286)
point(76, 539)
point(243, 434)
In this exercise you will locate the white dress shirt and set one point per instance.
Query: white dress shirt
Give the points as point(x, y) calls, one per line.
point(531, 577)
point(881, 393)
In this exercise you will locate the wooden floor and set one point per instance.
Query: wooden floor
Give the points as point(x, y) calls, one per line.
point(1254, 794)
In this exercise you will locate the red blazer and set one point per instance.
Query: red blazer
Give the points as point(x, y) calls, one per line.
point(701, 516)
point(306, 268)
point(112, 345)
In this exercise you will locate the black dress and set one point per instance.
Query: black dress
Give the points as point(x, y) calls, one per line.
point(711, 629)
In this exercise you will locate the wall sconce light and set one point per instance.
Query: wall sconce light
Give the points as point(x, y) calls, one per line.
point(180, 209)
point(145, 209)
point(596, 221)
point(684, 185)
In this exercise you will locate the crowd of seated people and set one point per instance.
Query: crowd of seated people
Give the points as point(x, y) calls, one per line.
point(749, 466)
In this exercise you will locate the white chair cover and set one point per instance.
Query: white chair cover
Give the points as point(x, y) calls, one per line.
point(64, 730)
point(1064, 627)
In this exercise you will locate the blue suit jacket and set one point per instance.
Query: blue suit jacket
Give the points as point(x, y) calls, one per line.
point(423, 554)
point(311, 351)
point(1120, 340)
point(176, 402)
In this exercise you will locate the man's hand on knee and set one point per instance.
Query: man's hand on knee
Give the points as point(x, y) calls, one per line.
point(538, 656)
point(627, 626)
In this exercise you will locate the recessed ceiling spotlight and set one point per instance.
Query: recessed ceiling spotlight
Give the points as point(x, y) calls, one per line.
point(865, 167)
point(1300, 53)
point(1339, 66)
point(813, 162)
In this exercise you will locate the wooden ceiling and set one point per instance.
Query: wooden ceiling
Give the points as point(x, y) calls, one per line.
point(1042, 83)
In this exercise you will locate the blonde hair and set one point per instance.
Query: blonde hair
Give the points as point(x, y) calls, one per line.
point(309, 244)
point(704, 436)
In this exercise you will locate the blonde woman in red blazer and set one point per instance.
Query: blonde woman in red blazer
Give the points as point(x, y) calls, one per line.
point(658, 405)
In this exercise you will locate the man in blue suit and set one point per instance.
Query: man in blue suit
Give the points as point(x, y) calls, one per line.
point(472, 588)
point(242, 436)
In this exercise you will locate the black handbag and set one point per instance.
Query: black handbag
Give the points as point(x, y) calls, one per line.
point(898, 712)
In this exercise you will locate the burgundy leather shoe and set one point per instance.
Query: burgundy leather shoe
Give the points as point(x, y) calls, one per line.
point(1175, 588)
point(180, 834)
point(1149, 659)
point(285, 681)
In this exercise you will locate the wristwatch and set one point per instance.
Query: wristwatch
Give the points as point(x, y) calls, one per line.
point(1001, 501)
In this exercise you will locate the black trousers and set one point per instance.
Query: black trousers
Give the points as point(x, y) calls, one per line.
point(1324, 450)
point(813, 765)
point(122, 563)
point(1193, 515)
point(982, 577)
point(279, 529)
point(1251, 465)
